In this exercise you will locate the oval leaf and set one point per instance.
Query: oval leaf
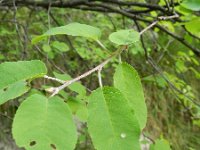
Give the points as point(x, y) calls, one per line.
point(124, 37)
point(12, 72)
point(192, 27)
point(191, 4)
point(111, 122)
point(126, 79)
point(46, 48)
point(13, 91)
point(43, 124)
point(73, 29)
point(60, 46)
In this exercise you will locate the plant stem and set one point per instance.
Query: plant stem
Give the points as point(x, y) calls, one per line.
point(100, 66)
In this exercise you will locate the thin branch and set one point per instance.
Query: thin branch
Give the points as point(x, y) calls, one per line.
point(67, 83)
point(142, 39)
point(156, 21)
point(150, 26)
point(168, 17)
point(138, 4)
point(49, 19)
point(100, 78)
point(16, 25)
point(5, 115)
point(54, 79)
point(120, 59)
point(101, 45)
point(73, 3)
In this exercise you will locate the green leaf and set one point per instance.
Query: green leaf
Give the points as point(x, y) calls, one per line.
point(111, 122)
point(76, 86)
point(191, 4)
point(124, 37)
point(13, 91)
point(78, 108)
point(73, 29)
point(160, 144)
point(43, 124)
point(12, 72)
point(136, 48)
point(192, 26)
point(60, 46)
point(46, 48)
point(127, 80)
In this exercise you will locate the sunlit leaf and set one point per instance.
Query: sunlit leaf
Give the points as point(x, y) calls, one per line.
point(60, 46)
point(193, 26)
point(46, 48)
point(12, 72)
point(73, 29)
point(112, 124)
point(124, 37)
point(43, 124)
point(13, 91)
point(191, 4)
point(127, 80)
